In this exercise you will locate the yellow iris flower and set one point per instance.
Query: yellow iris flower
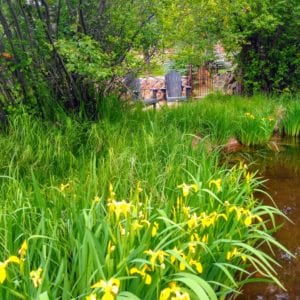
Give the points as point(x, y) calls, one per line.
point(173, 292)
point(35, 276)
point(110, 247)
point(156, 255)
point(235, 253)
point(217, 183)
point(110, 288)
point(23, 249)
point(248, 216)
point(119, 207)
point(179, 252)
point(187, 187)
point(3, 273)
point(249, 115)
point(154, 229)
point(193, 221)
point(112, 194)
point(3, 266)
point(197, 264)
point(64, 186)
point(146, 277)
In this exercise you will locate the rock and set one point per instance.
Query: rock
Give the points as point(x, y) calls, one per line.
point(272, 289)
point(228, 83)
point(196, 140)
point(207, 146)
point(282, 296)
point(232, 145)
point(274, 146)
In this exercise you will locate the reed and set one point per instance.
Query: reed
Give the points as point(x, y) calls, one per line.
point(291, 120)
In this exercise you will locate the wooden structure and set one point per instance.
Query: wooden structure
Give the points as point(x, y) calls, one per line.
point(201, 80)
point(198, 84)
point(174, 91)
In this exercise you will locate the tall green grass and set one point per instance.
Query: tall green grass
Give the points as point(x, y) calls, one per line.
point(93, 200)
point(291, 119)
point(250, 120)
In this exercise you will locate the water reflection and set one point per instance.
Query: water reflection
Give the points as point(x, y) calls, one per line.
point(280, 164)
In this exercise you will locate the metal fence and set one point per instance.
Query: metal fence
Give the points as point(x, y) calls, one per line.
point(200, 78)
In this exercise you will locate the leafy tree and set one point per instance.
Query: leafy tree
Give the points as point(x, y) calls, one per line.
point(269, 47)
point(262, 36)
point(72, 52)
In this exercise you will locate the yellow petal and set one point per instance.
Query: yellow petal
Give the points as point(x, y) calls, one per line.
point(182, 266)
point(148, 279)
point(98, 284)
point(185, 191)
point(154, 229)
point(2, 273)
point(223, 216)
point(195, 187)
point(248, 221)
point(205, 239)
point(199, 267)
point(108, 296)
point(173, 286)
point(185, 296)
point(64, 186)
point(235, 251)
point(229, 255)
point(134, 271)
point(14, 259)
point(23, 249)
point(91, 297)
point(244, 258)
point(114, 283)
point(165, 294)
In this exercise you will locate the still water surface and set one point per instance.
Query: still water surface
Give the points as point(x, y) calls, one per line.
point(281, 166)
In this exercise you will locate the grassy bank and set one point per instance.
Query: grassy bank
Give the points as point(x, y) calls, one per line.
point(129, 208)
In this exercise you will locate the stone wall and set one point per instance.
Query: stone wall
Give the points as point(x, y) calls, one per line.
point(227, 83)
point(157, 82)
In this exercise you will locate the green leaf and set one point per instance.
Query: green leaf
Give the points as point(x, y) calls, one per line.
point(43, 296)
point(198, 285)
point(127, 295)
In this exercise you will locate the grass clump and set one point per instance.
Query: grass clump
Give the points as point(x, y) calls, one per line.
point(291, 119)
point(255, 128)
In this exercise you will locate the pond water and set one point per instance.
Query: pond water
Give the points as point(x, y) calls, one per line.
point(280, 164)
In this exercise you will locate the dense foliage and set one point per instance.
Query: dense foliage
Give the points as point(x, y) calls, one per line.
point(261, 37)
point(72, 53)
point(269, 33)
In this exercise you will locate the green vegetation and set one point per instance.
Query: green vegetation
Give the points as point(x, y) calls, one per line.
point(128, 206)
point(291, 120)
point(260, 36)
point(102, 200)
point(72, 54)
